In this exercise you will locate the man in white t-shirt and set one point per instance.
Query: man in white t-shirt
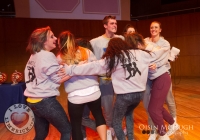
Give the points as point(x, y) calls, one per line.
point(99, 46)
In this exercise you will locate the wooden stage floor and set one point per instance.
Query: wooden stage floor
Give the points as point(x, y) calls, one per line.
point(187, 96)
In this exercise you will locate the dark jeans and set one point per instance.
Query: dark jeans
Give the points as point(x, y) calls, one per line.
point(124, 106)
point(160, 88)
point(129, 122)
point(49, 111)
point(76, 113)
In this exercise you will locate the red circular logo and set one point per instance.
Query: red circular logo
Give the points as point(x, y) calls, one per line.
point(17, 76)
point(3, 77)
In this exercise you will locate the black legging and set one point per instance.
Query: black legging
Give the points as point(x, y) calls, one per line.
point(76, 112)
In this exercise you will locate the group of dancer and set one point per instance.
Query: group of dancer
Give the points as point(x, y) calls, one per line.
point(128, 67)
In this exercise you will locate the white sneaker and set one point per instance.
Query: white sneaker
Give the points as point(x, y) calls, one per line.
point(109, 135)
point(175, 119)
point(165, 137)
point(125, 131)
point(172, 129)
point(84, 138)
point(152, 136)
point(112, 131)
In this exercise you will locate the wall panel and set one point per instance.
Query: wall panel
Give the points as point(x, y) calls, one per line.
point(83, 28)
point(16, 53)
point(1, 30)
point(3, 69)
point(182, 31)
point(185, 65)
point(2, 54)
point(97, 28)
point(172, 41)
point(143, 27)
point(168, 26)
point(195, 22)
point(187, 45)
point(195, 70)
point(197, 44)
point(183, 25)
point(72, 26)
point(17, 29)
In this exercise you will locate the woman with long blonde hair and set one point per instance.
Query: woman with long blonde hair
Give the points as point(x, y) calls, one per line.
point(81, 90)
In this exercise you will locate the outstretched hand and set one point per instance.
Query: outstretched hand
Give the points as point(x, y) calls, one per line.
point(152, 66)
point(64, 77)
point(61, 72)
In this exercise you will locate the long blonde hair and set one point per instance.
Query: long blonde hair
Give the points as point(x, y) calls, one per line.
point(70, 52)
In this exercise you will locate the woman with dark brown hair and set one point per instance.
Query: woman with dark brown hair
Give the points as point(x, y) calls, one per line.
point(128, 29)
point(127, 66)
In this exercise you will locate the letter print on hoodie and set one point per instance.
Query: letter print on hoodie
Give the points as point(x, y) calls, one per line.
point(31, 72)
point(131, 68)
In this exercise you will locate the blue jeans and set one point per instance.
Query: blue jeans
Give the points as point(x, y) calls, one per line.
point(107, 105)
point(124, 106)
point(107, 97)
point(129, 122)
point(49, 111)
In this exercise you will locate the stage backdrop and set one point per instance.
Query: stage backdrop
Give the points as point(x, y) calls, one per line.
point(73, 9)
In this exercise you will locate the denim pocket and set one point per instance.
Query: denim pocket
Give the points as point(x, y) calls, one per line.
point(37, 108)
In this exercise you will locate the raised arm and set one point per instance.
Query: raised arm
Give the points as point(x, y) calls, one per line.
point(91, 68)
